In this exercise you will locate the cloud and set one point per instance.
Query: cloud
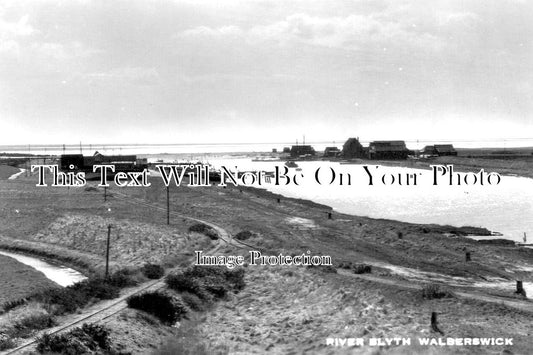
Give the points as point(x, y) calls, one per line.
point(349, 32)
point(136, 75)
point(205, 31)
point(12, 32)
point(16, 29)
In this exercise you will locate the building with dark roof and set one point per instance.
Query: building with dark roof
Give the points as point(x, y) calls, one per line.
point(445, 149)
point(352, 148)
point(301, 151)
point(438, 150)
point(331, 152)
point(86, 163)
point(388, 150)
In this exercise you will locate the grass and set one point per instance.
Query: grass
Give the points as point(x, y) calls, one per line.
point(6, 171)
point(18, 281)
point(73, 223)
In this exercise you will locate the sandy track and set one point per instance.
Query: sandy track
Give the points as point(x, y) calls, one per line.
point(523, 305)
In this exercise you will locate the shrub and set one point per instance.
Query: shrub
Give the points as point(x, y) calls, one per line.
point(6, 342)
point(25, 326)
point(97, 288)
point(67, 300)
point(207, 281)
point(362, 269)
point(236, 278)
point(356, 268)
point(7, 306)
point(204, 229)
point(153, 271)
point(243, 235)
point(193, 301)
point(183, 283)
point(123, 278)
point(62, 300)
point(433, 291)
point(328, 269)
point(165, 307)
point(87, 339)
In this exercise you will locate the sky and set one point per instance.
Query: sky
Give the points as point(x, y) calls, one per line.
point(197, 71)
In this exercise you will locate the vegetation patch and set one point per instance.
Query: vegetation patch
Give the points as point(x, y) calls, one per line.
point(244, 235)
point(193, 302)
point(6, 342)
point(356, 268)
point(87, 339)
point(153, 271)
point(207, 282)
point(165, 307)
point(204, 229)
point(69, 299)
point(124, 278)
point(433, 291)
point(27, 325)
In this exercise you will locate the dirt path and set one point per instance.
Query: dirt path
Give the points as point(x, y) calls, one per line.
point(523, 305)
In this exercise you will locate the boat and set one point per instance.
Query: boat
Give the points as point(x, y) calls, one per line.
point(291, 164)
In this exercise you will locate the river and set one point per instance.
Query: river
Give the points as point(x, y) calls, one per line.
point(506, 207)
point(61, 275)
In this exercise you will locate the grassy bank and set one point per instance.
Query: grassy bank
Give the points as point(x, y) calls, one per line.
point(19, 280)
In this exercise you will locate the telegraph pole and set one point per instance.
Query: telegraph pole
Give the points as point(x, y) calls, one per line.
point(107, 251)
point(168, 206)
point(105, 193)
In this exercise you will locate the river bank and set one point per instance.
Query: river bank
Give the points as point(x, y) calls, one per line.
point(511, 165)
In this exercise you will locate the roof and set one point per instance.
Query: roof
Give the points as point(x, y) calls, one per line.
point(389, 143)
point(387, 146)
point(444, 148)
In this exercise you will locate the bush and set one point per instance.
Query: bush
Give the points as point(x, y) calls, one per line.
point(356, 268)
point(183, 283)
point(207, 281)
point(165, 307)
point(6, 342)
point(204, 229)
point(63, 300)
point(328, 269)
point(97, 288)
point(236, 278)
point(433, 291)
point(67, 300)
point(7, 306)
point(24, 327)
point(123, 278)
point(153, 271)
point(193, 301)
point(87, 339)
point(362, 269)
point(243, 235)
